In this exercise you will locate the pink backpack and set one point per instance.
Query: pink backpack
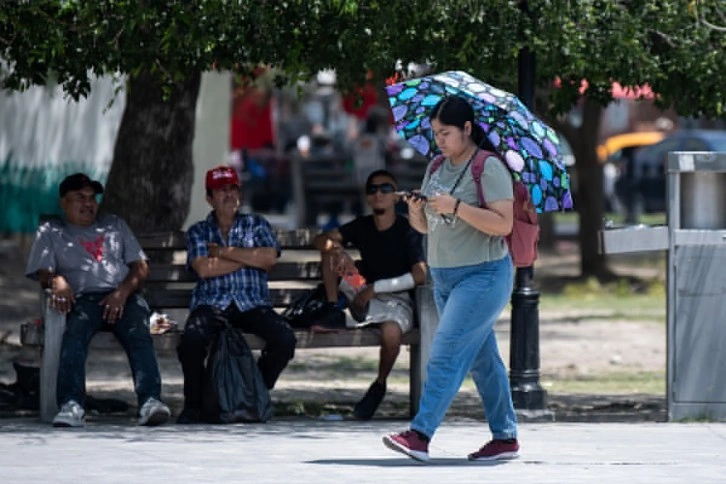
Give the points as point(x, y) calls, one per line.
point(522, 241)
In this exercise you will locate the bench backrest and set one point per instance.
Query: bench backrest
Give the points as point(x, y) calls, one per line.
point(169, 284)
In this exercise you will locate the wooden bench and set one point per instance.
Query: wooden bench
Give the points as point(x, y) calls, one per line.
point(169, 288)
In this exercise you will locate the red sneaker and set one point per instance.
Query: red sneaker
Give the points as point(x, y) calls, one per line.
point(408, 443)
point(496, 450)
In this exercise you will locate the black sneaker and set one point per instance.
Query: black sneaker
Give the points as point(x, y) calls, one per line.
point(328, 316)
point(368, 405)
point(189, 416)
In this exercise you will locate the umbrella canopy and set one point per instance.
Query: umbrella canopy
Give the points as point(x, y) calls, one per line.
point(529, 147)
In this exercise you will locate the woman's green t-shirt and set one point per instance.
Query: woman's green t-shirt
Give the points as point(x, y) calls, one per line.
point(458, 243)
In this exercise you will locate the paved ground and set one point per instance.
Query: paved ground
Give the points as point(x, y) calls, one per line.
point(309, 451)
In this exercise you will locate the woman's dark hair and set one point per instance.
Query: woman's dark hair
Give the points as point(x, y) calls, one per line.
point(456, 111)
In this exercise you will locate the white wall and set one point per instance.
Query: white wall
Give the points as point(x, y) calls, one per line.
point(40, 127)
point(43, 130)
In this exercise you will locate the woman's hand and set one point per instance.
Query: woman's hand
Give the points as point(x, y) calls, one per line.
point(442, 204)
point(414, 199)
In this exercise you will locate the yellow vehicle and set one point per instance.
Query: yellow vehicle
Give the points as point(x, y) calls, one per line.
point(614, 144)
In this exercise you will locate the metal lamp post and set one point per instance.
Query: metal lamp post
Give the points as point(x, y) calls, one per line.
point(527, 393)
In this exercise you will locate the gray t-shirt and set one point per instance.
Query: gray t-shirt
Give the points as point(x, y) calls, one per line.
point(91, 259)
point(460, 244)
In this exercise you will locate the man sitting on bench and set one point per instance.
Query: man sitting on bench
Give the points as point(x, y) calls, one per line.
point(392, 264)
point(231, 253)
point(94, 266)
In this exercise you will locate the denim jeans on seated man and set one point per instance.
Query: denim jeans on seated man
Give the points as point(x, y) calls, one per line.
point(84, 321)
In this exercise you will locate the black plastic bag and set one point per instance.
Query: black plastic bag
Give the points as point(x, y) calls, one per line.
point(235, 390)
point(302, 311)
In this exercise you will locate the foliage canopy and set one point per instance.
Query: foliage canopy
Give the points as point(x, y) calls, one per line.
point(659, 42)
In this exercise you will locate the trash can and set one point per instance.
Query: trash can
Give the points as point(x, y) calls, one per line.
point(696, 381)
point(695, 238)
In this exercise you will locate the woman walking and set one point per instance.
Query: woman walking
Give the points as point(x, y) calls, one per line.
point(473, 276)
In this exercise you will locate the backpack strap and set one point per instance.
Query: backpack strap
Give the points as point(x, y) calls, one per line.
point(519, 189)
point(477, 169)
point(436, 164)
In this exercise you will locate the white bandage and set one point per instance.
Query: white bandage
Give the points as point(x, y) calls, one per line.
point(394, 284)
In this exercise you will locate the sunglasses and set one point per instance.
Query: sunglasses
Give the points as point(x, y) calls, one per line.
point(383, 188)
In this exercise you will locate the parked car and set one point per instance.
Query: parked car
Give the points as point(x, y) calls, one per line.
point(614, 145)
point(642, 186)
point(614, 153)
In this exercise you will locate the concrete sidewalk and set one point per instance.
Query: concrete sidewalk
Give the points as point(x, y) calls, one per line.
point(313, 451)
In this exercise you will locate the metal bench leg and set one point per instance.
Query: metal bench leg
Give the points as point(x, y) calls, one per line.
point(54, 326)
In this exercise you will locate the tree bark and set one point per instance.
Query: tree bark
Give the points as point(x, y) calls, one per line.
point(589, 200)
point(149, 184)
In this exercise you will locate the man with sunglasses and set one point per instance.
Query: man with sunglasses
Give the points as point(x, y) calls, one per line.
point(392, 263)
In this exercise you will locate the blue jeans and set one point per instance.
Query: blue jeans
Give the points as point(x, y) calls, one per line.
point(132, 331)
point(469, 300)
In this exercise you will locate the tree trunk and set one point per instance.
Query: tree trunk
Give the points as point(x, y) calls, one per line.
point(150, 181)
point(589, 201)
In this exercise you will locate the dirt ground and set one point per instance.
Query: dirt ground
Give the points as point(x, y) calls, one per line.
point(573, 343)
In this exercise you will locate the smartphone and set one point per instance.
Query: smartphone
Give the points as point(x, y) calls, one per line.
point(408, 194)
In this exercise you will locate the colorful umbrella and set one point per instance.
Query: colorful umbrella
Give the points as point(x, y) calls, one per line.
point(529, 147)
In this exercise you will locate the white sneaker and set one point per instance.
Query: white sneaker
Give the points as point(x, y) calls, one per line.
point(153, 412)
point(71, 415)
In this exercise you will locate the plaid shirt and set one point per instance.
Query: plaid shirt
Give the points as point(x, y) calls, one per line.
point(246, 287)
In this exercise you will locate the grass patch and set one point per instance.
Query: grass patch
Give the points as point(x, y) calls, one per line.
point(612, 383)
point(618, 299)
point(701, 418)
point(621, 288)
point(623, 382)
point(618, 219)
point(609, 307)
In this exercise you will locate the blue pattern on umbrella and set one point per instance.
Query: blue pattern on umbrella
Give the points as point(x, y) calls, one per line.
point(529, 147)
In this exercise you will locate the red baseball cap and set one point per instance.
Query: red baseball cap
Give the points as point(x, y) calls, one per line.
point(221, 176)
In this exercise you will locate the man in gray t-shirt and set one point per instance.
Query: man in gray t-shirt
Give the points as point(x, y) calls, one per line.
point(93, 267)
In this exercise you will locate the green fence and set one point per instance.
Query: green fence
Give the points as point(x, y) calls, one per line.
point(28, 191)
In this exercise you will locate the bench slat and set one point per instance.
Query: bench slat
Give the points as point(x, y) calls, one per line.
point(175, 240)
point(169, 298)
point(170, 240)
point(170, 273)
point(32, 335)
point(282, 271)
